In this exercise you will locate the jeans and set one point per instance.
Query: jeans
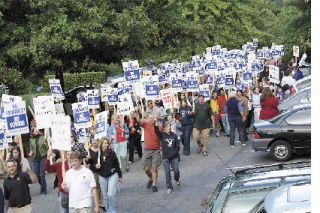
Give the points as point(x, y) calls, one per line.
point(108, 187)
point(142, 145)
point(186, 134)
point(175, 165)
point(38, 164)
point(225, 123)
point(61, 210)
point(236, 121)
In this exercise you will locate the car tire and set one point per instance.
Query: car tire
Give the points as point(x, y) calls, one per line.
point(281, 150)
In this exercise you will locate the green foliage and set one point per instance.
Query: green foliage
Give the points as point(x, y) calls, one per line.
point(72, 80)
point(13, 79)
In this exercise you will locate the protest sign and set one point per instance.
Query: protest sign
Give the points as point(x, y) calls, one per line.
point(10, 98)
point(44, 110)
point(61, 132)
point(166, 97)
point(112, 96)
point(104, 94)
point(176, 82)
point(101, 125)
point(255, 42)
point(131, 70)
point(192, 82)
point(229, 80)
point(81, 115)
point(152, 91)
point(59, 109)
point(93, 98)
point(16, 118)
point(56, 89)
point(82, 97)
point(221, 80)
point(209, 79)
point(125, 105)
point(80, 134)
point(240, 85)
point(274, 74)
point(204, 90)
point(260, 53)
point(295, 50)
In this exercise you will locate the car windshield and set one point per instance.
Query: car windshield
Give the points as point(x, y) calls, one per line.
point(244, 202)
point(259, 208)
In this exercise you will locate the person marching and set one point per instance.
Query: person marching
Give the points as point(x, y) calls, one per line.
point(170, 147)
point(187, 124)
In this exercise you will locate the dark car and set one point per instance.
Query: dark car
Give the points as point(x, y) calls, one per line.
point(285, 134)
point(71, 97)
point(244, 189)
point(301, 97)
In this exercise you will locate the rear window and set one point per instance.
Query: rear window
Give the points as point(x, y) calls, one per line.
point(302, 117)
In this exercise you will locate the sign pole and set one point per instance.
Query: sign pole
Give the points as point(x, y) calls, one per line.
point(63, 165)
point(21, 148)
point(47, 137)
point(2, 151)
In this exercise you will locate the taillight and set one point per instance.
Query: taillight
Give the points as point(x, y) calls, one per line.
point(256, 135)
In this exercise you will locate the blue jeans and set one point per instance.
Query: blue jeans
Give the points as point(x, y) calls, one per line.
point(38, 165)
point(175, 165)
point(236, 121)
point(225, 123)
point(142, 145)
point(108, 187)
point(61, 210)
point(186, 134)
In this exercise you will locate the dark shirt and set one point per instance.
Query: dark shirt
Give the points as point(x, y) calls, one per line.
point(109, 164)
point(169, 143)
point(1, 201)
point(79, 147)
point(38, 155)
point(93, 155)
point(203, 113)
point(186, 118)
point(16, 190)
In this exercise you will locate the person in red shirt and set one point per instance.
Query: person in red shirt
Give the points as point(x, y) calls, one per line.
point(222, 99)
point(151, 153)
point(269, 105)
point(57, 168)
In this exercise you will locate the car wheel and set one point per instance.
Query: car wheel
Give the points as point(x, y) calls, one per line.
point(281, 150)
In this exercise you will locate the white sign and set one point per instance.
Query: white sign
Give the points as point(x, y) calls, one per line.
point(59, 109)
point(93, 98)
point(56, 89)
point(101, 125)
point(10, 98)
point(44, 110)
point(295, 51)
point(104, 94)
point(125, 107)
point(166, 97)
point(61, 133)
point(274, 74)
point(16, 118)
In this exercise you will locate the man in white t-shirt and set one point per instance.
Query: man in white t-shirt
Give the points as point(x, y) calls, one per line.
point(81, 185)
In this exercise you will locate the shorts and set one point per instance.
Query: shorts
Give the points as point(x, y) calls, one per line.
point(151, 157)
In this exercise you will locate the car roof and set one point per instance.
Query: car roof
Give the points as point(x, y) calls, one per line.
point(290, 198)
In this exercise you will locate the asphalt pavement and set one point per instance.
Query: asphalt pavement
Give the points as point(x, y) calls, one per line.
point(199, 176)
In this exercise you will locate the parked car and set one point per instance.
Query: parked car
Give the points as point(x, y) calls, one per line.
point(301, 97)
point(241, 191)
point(285, 134)
point(291, 198)
point(303, 83)
point(71, 97)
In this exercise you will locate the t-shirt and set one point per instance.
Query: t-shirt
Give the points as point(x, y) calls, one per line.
point(214, 104)
point(151, 140)
point(221, 103)
point(80, 182)
point(203, 113)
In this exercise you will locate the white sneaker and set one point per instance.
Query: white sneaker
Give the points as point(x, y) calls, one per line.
point(218, 134)
point(169, 191)
point(232, 147)
point(244, 144)
point(238, 141)
point(178, 182)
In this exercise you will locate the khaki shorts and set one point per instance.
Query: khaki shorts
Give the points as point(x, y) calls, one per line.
point(151, 157)
point(198, 134)
point(25, 209)
point(80, 210)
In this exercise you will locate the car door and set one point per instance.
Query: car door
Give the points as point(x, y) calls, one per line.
point(297, 128)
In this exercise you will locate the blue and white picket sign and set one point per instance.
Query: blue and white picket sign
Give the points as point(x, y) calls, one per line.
point(80, 134)
point(112, 96)
point(240, 85)
point(82, 97)
point(212, 66)
point(131, 71)
point(247, 76)
point(93, 98)
point(267, 54)
point(209, 79)
point(81, 115)
point(192, 82)
point(2, 116)
point(260, 53)
point(204, 90)
point(56, 89)
point(101, 125)
point(10, 98)
point(16, 118)
point(255, 42)
point(250, 46)
point(221, 80)
point(229, 80)
point(152, 92)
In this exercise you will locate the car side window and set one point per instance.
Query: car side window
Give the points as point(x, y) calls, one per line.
point(305, 99)
point(302, 117)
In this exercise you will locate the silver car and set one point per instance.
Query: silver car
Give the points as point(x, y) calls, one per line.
point(301, 97)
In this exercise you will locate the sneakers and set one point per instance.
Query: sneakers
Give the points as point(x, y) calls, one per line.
point(232, 147)
point(218, 134)
point(149, 184)
point(154, 189)
point(244, 144)
point(169, 191)
point(178, 182)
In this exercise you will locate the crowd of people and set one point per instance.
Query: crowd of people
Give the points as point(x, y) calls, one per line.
point(88, 178)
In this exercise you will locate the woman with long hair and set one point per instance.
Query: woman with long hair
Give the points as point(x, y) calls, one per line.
point(269, 105)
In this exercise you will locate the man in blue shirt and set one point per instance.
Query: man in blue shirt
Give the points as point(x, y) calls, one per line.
point(297, 73)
